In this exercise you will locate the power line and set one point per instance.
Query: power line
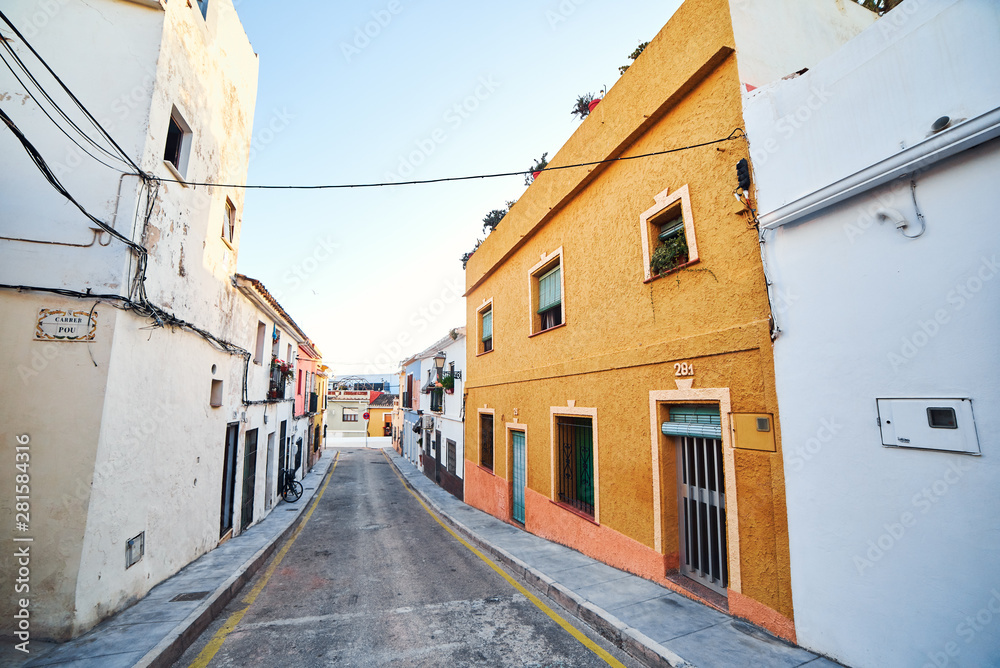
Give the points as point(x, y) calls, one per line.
point(73, 97)
point(735, 134)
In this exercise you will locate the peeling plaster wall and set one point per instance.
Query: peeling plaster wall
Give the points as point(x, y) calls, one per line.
point(127, 441)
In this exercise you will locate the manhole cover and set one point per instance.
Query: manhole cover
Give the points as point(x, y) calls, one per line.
point(191, 596)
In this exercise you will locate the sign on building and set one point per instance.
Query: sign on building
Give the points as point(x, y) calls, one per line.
point(65, 325)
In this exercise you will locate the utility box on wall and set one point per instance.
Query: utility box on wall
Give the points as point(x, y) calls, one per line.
point(752, 431)
point(928, 424)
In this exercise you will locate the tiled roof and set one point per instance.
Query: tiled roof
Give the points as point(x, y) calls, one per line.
point(383, 401)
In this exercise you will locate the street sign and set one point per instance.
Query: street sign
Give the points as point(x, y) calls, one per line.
point(366, 415)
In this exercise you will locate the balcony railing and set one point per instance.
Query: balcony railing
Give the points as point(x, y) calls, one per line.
point(276, 389)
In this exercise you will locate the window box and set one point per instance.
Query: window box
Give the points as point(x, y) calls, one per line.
point(668, 235)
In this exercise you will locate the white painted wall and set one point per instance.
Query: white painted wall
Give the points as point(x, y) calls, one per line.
point(126, 439)
point(894, 552)
point(775, 38)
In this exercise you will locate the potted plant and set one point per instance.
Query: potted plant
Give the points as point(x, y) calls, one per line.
point(582, 107)
point(448, 383)
point(539, 165)
point(671, 254)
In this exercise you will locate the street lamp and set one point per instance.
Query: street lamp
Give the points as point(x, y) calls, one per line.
point(439, 363)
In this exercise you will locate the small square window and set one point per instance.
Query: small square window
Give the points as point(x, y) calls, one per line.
point(178, 144)
point(229, 222)
point(668, 234)
point(134, 549)
point(215, 399)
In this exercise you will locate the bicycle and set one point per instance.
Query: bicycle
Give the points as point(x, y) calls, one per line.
point(291, 489)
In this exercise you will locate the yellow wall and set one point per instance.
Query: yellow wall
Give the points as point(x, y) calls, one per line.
point(622, 335)
point(375, 424)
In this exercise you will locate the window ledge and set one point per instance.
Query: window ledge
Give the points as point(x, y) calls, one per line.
point(576, 512)
point(226, 241)
point(483, 468)
point(485, 352)
point(671, 271)
point(545, 331)
point(177, 175)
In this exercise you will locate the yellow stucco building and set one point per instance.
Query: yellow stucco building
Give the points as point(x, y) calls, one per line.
point(628, 411)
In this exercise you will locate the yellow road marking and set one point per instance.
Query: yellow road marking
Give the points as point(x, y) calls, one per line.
point(572, 630)
point(215, 644)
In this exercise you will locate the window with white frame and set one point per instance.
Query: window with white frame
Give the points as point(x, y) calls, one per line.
point(547, 293)
point(668, 234)
point(177, 148)
point(349, 414)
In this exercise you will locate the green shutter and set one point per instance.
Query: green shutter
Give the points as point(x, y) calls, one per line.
point(697, 421)
point(488, 325)
point(549, 290)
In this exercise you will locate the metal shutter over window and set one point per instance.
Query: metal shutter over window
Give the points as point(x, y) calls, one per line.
point(697, 421)
point(668, 230)
point(549, 290)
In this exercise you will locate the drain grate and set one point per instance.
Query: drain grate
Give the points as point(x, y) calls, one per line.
point(290, 510)
point(190, 596)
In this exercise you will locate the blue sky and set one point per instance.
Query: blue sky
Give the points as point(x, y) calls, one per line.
point(378, 91)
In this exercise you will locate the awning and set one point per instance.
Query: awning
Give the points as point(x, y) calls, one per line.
point(696, 421)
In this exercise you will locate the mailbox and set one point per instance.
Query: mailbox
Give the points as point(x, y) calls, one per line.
point(928, 424)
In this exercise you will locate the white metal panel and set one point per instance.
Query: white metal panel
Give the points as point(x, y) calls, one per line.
point(907, 423)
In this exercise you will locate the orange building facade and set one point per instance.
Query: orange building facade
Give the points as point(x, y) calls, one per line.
point(628, 410)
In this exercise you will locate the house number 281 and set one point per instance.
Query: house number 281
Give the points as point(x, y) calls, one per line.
point(683, 369)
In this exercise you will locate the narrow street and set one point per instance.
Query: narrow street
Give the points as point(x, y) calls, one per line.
point(374, 580)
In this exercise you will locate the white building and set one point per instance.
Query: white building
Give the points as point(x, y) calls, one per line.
point(876, 177)
point(123, 340)
point(438, 448)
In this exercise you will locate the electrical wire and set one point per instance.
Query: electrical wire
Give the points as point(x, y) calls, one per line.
point(73, 97)
point(735, 134)
point(54, 122)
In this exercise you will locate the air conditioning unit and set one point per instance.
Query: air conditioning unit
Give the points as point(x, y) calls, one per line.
point(428, 421)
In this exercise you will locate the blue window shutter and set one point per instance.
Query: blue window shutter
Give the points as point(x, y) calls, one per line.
point(549, 290)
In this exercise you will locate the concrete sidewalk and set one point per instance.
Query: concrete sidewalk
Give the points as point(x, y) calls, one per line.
point(651, 622)
point(157, 629)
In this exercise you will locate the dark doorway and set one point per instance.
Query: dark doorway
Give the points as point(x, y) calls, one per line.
point(228, 479)
point(249, 478)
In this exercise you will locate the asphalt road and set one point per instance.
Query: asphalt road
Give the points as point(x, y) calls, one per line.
point(374, 580)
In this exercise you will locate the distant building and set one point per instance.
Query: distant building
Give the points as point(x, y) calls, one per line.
point(380, 415)
point(345, 411)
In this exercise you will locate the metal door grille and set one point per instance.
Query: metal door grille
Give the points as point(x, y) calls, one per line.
point(520, 474)
point(576, 463)
point(703, 505)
